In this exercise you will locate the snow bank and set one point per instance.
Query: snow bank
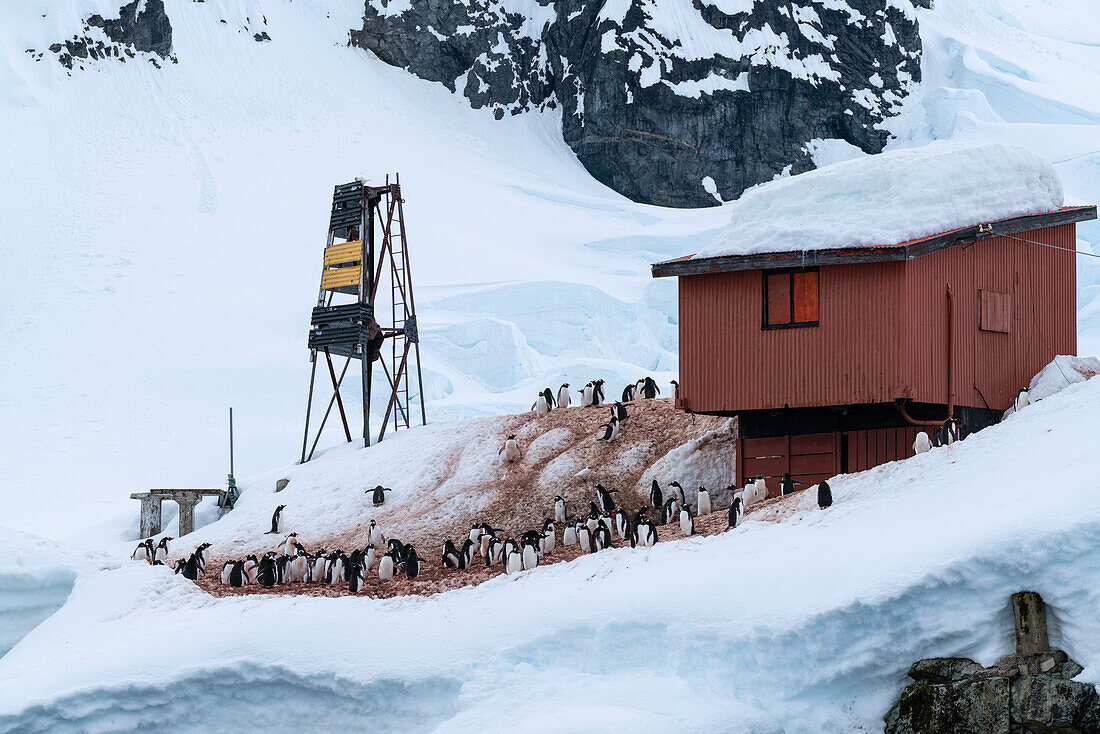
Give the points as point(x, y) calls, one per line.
point(889, 198)
point(35, 579)
point(1062, 372)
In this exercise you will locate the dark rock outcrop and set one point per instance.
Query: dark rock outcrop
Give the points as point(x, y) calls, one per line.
point(657, 96)
point(144, 30)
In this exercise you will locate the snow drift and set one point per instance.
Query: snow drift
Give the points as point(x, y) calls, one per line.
point(889, 198)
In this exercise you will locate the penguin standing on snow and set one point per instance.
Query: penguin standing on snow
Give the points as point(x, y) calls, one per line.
point(736, 511)
point(655, 497)
point(946, 434)
point(687, 522)
point(703, 501)
point(563, 395)
point(277, 521)
point(921, 443)
point(606, 501)
point(786, 484)
point(824, 495)
point(628, 393)
point(510, 449)
point(378, 496)
point(559, 509)
point(144, 551)
point(1022, 400)
point(608, 431)
point(451, 557)
point(650, 389)
point(161, 552)
point(675, 389)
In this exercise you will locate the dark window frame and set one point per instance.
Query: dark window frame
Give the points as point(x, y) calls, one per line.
point(790, 273)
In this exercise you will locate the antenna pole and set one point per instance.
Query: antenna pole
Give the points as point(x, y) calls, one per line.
point(231, 441)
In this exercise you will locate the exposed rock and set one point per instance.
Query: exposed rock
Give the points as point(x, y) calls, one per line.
point(943, 670)
point(145, 30)
point(659, 96)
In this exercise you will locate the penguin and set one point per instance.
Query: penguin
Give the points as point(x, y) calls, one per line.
point(179, 565)
point(675, 389)
point(655, 497)
point(702, 500)
point(336, 572)
point(451, 556)
point(760, 488)
point(583, 473)
point(622, 524)
point(608, 431)
point(680, 496)
point(510, 449)
point(289, 543)
point(618, 412)
point(549, 539)
point(559, 508)
point(161, 551)
point(530, 557)
point(687, 522)
point(921, 443)
point(1022, 400)
point(411, 563)
point(645, 534)
point(597, 392)
point(379, 495)
point(484, 541)
point(628, 393)
point(496, 552)
point(586, 394)
point(191, 568)
point(650, 389)
point(144, 551)
point(946, 434)
point(267, 573)
point(356, 577)
point(200, 554)
point(669, 510)
point(584, 538)
point(541, 407)
point(603, 536)
point(465, 556)
point(277, 520)
point(786, 484)
point(374, 535)
point(563, 395)
point(397, 548)
point(604, 498)
point(368, 557)
point(824, 495)
point(475, 533)
point(237, 575)
point(513, 562)
point(736, 511)
point(299, 568)
point(317, 568)
point(250, 567)
point(227, 567)
point(281, 564)
point(386, 566)
point(569, 535)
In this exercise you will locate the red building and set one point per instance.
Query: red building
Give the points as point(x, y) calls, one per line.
point(833, 359)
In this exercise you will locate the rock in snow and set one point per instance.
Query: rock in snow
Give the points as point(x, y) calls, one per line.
point(890, 198)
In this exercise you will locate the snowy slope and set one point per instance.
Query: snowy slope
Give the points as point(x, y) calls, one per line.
point(802, 625)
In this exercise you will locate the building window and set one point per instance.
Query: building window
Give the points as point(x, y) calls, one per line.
point(994, 311)
point(790, 298)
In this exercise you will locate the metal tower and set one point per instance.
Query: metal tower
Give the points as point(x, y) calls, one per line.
point(366, 247)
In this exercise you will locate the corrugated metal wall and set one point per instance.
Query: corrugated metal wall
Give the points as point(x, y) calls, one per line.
point(882, 332)
point(727, 362)
point(990, 366)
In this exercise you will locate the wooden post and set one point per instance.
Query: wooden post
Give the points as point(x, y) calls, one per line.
point(187, 502)
point(1029, 613)
point(150, 523)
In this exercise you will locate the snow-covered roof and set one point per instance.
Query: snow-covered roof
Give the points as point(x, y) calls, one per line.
point(884, 200)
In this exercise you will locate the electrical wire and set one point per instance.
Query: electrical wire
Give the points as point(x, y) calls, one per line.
point(1053, 247)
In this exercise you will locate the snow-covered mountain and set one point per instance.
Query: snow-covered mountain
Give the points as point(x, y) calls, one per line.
point(163, 215)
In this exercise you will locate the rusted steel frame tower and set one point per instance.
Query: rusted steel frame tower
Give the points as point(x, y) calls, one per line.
point(366, 245)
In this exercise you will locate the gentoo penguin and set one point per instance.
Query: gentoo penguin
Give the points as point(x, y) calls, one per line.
point(603, 536)
point(650, 389)
point(669, 510)
point(510, 449)
point(227, 567)
point(687, 522)
point(378, 496)
point(608, 431)
point(541, 407)
point(289, 543)
point(604, 499)
point(618, 412)
point(563, 395)
point(513, 562)
point(702, 501)
point(250, 567)
point(586, 394)
point(645, 534)
point(191, 568)
point(281, 564)
point(1022, 400)
point(411, 563)
point(466, 555)
point(144, 551)
point(179, 565)
point(946, 434)
point(299, 568)
point(161, 551)
point(200, 555)
point(374, 535)
point(736, 511)
point(451, 556)
point(277, 520)
point(824, 495)
point(496, 552)
point(680, 496)
point(267, 573)
point(368, 557)
point(584, 538)
point(786, 484)
point(597, 392)
point(386, 566)
point(655, 497)
point(569, 535)
point(559, 509)
point(530, 556)
point(356, 577)
point(628, 393)
point(549, 539)
point(336, 571)
point(475, 533)
point(397, 547)
point(237, 575)
point(317, 567)
point(638, 387)
point(675, 389)
point(622, 524)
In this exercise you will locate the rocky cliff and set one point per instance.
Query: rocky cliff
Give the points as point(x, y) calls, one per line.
point(670, 102)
